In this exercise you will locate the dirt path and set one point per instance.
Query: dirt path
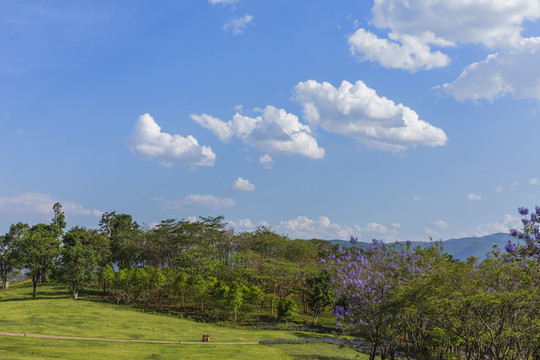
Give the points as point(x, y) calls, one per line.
point(124, 340)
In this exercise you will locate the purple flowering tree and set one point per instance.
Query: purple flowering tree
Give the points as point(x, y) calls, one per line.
point(365, 281)
point(529, 236)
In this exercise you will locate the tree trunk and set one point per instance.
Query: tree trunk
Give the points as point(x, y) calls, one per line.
point(315, 318)
point(5, 284)
point(43, 278)
point(34, 282)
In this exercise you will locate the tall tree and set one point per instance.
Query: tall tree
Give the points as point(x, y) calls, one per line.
point(320, 293)
point(78, 266)
point(59, 218)
point(9, 254)
point(39, 247)
point(125, 237)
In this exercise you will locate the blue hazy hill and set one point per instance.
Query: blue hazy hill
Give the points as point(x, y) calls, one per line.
point(461, 248)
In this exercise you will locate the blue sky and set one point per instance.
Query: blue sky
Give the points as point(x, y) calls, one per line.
point(379, 119)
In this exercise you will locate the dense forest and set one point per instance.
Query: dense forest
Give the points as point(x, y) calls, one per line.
point(403, 302)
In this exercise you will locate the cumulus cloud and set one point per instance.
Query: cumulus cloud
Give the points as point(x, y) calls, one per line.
point(514, 72)
point(243, 185)
point(503, 225)
point(406, 52)
point(355, 110)
point(533, 181)
point(41, 205)
point(441, 224)
point(220, 128)
point(416, 27)
point(274, 131)
point(266, 161)
point(238, 25)
point(199, 202)
point(303, 227)
point(148, 141)
point(472, 196)
point(499, 189)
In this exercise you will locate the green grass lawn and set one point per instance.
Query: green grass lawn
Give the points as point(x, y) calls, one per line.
point(53, 312)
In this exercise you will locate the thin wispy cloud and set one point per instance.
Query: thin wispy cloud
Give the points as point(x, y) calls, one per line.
point(441, 224)
point(197, 202)
point(41, 205)
point(238, 25)
point(266, 161)
point(474, 197)
point(223, 2)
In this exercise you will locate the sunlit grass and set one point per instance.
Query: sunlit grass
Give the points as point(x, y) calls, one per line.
point(53, 312)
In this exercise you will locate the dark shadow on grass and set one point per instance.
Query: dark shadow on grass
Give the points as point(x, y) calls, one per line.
point(310, 335)
point(43, 292)
point(30, 298)
point(317, 357)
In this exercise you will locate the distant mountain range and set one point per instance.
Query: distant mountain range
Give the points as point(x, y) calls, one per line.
point(459, 248)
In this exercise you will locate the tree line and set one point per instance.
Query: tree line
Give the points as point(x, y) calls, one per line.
point(199, 266)
point(406, 303)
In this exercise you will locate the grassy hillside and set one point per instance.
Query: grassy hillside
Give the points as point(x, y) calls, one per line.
point(53, 312)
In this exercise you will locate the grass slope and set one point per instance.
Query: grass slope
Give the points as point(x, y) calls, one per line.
point(53, 312)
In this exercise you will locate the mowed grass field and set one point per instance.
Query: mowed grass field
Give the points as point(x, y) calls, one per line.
point(53, 312)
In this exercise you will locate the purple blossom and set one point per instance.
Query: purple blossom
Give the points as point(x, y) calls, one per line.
point(523, 211)
point(323, 261)
point(354, 240)
point(514, 232)
point(510, 247)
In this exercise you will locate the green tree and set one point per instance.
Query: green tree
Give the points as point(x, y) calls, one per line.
point(287, 308)
point(320, 294)
point(39, 247)
point(107, 276)
point(78, 266)
point(125, 238)
point(10, 256)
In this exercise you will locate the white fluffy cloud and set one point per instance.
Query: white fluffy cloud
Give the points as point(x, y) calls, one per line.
point(508, 221)
point(238, 25)
point(533, 181)
point(197, 202)
point(472, 196)
point(356, 111)
point(41, 205)
point(148, 141)
point(417, 26)
point(303, 227)
point(513, 72)
point(243, 185)
point(274, 131)
point(407, 52)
